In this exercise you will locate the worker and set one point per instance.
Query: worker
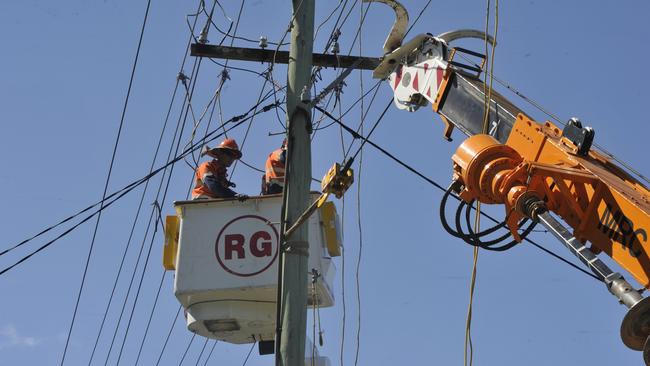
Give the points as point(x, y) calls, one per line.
point(274, 173)
point(211, 176)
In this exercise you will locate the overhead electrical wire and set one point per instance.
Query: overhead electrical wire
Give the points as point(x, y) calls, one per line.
point(169, 333)
point(238, 120)
point(178, 131)
point(209, 354)
point(249, 354)
point(202, 350)
point(187, 349)
point(151, 312)
point(108, 177)
point(217, 97)
point(189, 95)
point(146, 330)
point(169, 109)
point(359, 152)
point(440, 187)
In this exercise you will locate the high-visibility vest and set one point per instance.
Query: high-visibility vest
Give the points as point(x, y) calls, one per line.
point(274, 172)
point(209, 168)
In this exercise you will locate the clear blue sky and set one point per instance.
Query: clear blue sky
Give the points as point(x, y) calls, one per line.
point(66, 70)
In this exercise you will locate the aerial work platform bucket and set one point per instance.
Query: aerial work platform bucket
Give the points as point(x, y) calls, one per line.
point(225, 256)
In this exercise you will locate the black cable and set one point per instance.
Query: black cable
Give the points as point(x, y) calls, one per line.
point(202, 350)
point(475, 237)
point(171, 328)
point(475, 241)
point(58, 224)
point(178, 131)
point(209, 354)
point(108, 177)
point(240, 119)
point(171, 171)
point(418, 17)
point(373, 127)
point(435, 184)
point(146, 331)
point(108, 204)
point(155, 302)
point(135, 220)
point(128, 188)
point(187, 349)
point(249, 354)
point(254, 109)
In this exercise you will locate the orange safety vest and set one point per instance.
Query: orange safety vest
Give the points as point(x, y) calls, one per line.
point(275, 168)
point(214, 168)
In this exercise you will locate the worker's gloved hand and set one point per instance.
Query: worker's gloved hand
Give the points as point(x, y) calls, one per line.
point(241, 197)
point(231, 184)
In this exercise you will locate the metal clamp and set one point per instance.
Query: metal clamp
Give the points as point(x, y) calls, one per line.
point(298, 247)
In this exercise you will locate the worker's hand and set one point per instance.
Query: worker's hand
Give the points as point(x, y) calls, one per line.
point(231, 184)
point(241, 197)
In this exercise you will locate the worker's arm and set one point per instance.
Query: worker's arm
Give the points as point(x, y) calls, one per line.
point(217, 188)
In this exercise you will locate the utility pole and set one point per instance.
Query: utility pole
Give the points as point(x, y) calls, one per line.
point(296, 193)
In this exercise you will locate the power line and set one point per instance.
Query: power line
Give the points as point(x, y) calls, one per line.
point(108, 177)
point(209, 354)
point(177, 132)
point(187, 349)
point(169, 109)
point(435, 184)
point(146, 331)
point(171, 171)
point(238, 120)
point(249, 354)
point(202, 350)
point(171, 328)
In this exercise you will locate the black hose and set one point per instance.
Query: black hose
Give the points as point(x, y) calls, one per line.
point(470, 236)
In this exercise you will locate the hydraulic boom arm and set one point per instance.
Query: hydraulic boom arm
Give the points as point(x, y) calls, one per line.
point(535, 170)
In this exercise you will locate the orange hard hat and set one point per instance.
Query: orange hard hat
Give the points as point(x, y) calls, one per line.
point(229, 145)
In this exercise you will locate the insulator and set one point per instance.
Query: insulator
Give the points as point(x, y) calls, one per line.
point(263, 42)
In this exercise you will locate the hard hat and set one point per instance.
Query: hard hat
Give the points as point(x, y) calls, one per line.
point(229, 145)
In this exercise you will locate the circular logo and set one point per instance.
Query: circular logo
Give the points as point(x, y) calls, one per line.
point(247, 245)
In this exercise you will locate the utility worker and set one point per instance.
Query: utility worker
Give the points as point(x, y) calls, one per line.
point(274, 172)
point(211, 176)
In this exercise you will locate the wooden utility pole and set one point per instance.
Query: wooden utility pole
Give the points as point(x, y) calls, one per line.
point(296, 193)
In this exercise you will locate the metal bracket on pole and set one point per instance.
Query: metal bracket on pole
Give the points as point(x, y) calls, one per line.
point(336, 181)
point(298, 247)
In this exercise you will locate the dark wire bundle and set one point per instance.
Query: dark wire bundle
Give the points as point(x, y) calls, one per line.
point(468, 235)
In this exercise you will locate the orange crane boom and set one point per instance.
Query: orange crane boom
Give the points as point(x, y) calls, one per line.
point(537, 171)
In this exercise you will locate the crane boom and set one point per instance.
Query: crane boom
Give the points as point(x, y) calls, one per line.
point(535, 170)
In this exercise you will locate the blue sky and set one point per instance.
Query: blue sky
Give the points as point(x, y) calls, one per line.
point(66, 70)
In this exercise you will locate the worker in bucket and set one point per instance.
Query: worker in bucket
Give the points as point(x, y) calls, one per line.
point(273, 181)
point(211, 177)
